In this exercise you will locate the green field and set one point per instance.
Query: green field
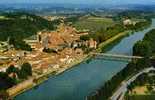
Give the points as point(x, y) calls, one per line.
point(93, 24)
point(3, 18)
point(140, 97)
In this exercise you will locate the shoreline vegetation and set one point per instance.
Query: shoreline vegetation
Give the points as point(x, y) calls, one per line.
point(145, 79)
point(143, 48)
point(112, 39)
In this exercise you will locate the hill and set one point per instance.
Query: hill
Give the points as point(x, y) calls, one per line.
point(22, 25)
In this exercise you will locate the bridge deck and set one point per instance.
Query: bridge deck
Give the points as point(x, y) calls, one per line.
point(117, 56)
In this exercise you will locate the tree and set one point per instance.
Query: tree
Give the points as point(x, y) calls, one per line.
point(142, 48)
point(11, 69)
point(130, 87)
point(150, 37)
point(149, 88)
point(6, 81)
point(27, 68)
point(22, 75)
point(142, 63)
point(85, 37)
point(12, 41)
point(22, 45)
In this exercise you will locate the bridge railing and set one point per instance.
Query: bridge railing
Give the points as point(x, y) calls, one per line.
point(116, 56)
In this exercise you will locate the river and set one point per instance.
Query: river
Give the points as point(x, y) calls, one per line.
point(83, 79)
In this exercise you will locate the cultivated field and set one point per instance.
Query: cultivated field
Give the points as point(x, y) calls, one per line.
point(93, 24)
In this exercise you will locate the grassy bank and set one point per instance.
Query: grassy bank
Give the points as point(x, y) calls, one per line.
point(111, 40)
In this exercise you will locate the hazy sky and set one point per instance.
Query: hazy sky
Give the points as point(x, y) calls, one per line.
point(82, 1)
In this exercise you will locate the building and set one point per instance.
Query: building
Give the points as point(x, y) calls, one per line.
point(127, 22)
point(3, 46)
point(92, 43)
point(32, 41)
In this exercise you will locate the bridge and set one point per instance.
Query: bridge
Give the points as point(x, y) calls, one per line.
point(119, 57)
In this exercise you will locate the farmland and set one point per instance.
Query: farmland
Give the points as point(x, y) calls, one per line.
point(93, 24)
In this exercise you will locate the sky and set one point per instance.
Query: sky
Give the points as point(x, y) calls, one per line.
point(82, 1)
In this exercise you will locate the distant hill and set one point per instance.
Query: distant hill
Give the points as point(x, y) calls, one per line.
point(23, 25)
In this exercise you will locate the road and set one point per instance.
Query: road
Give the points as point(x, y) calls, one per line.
point(117, 55)
point(120, 92)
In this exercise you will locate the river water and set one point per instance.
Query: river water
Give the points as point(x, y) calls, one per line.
point(83, 79)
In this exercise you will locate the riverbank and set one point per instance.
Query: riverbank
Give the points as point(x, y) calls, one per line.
point(111, 40)
point(109, 88)
point(35, 81)
point(20, 88)
point(45, 76)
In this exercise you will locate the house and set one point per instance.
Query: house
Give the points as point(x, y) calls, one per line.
point(3, 46)
point(92, 44)
point(32, 41)
point(74, 44)
point(13, 75)
point(79, 51)
point(127, 22)
point(56, 66)
point(89, 43)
